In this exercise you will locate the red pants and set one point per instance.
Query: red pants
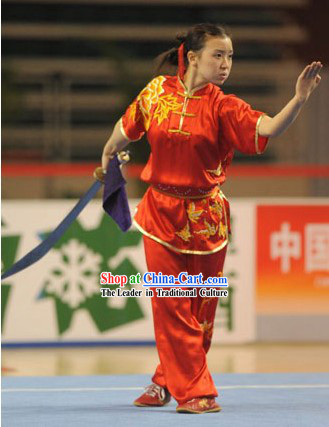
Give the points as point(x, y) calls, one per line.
point(183, 326)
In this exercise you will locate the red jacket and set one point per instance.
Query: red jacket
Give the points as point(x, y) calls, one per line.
point(192, 137)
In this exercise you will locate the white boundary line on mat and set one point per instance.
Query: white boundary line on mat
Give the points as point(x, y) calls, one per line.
point(227, 387)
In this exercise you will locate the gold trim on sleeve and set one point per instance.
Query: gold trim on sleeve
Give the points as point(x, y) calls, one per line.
point(124, 133)
point(173, 248)
point(257, 133)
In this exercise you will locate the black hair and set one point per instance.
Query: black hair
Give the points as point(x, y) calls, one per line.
point(194, 40)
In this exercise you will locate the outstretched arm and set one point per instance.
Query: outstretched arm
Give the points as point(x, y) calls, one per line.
point(115, 143)
point(306, 83)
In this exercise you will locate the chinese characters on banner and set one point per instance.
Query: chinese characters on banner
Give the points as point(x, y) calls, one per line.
point(293, 259)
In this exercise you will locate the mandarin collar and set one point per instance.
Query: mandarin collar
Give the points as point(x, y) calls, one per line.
point(201, 90)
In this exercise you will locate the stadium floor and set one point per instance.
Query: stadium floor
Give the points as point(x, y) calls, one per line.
point(298, 399)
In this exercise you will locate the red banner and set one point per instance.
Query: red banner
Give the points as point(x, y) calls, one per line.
point(293, 259)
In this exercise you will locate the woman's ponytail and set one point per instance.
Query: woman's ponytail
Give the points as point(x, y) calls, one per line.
point(194, 40)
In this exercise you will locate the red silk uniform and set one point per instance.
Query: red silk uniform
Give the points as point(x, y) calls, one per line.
point(192, 136)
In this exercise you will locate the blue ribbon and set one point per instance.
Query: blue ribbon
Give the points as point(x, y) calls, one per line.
point(115, 203)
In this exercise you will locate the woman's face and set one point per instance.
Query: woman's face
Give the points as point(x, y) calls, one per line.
point(214, 62)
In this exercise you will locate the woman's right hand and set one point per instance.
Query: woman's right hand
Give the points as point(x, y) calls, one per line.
point(308, 81)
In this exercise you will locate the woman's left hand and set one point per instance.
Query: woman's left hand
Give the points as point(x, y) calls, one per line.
point(308, 81)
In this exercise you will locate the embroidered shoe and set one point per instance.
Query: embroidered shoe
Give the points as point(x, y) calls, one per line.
point(154, 395)
point(199, 405)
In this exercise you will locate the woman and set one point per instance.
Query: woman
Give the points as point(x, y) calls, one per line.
point(193, 130)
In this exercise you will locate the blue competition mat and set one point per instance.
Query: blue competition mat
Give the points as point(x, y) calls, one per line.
point(246, 400)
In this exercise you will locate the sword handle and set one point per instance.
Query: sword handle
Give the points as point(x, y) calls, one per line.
point(99, 174)
point(123, 157)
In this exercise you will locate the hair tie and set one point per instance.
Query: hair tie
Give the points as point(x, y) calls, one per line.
point(181, 63)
